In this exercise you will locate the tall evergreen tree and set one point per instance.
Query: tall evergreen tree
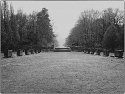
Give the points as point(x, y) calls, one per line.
point(44, 28)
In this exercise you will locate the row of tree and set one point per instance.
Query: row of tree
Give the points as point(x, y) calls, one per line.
point(22, 31)
point(96, 29)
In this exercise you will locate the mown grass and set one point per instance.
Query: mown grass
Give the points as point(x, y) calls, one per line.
point(63, 72)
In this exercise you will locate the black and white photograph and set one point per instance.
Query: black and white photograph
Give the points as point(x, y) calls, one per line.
point(67, 47)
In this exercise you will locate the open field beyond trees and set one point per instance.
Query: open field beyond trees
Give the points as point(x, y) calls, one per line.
point(63, 72)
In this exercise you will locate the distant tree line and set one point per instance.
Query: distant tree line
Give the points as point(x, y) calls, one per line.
point(96, 29)
point(22, 31)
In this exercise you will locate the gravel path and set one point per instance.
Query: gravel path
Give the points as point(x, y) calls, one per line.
point(63, 72)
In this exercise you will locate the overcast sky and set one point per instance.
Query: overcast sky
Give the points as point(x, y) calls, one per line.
point(64, 14)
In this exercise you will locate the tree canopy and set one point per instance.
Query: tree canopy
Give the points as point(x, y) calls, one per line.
point(22, 31)
point(94, 28)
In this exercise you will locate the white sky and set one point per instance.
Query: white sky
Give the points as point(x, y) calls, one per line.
point(64, 14)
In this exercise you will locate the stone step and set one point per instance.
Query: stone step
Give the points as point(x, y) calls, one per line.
point(62, 50)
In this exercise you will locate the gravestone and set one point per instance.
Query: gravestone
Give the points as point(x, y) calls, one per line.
point(32, 51)
point(27, 52)
point(20, 52)
point(106, 52)
point(8, 53)
point(119, 53)
point(98, 52)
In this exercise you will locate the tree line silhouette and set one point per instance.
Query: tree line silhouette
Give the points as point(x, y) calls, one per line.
point(96, 29)
point(22, 31)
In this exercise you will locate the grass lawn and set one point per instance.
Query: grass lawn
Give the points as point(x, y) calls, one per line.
point(62, 72)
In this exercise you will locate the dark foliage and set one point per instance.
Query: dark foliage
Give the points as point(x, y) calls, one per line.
point(96, 29)
point(22, 31)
